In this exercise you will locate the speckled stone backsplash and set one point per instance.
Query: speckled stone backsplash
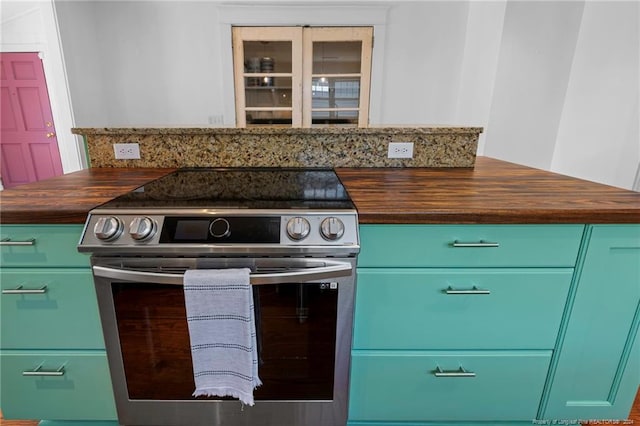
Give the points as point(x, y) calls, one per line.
point(283, 147)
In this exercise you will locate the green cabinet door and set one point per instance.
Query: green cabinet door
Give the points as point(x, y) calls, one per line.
point(52, 360)
point(53, 246)
point(61, 313)
point(466, 308)
point(467, 246)
point(56, 385)
point(598, 368)
point(422, 386)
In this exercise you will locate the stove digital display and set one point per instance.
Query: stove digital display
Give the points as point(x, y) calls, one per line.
point(192, 230)
point(233, 229)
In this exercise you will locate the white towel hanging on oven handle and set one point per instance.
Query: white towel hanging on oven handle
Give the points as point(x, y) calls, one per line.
point(220, 317)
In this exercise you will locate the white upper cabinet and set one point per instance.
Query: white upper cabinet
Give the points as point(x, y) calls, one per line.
point(302, 76)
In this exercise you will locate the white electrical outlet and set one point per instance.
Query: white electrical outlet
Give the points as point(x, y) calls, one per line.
point(400, 150)
point(126, 151)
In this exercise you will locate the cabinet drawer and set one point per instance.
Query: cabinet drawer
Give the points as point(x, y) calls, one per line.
point(82, 392)
point(441, 309)
point(402, 386)
point(52, 245)
point(469, 245)
point(63, 316)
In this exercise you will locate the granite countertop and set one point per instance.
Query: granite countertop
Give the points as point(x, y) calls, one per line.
point(275, 146)
point(493, 192)
point(427, 130)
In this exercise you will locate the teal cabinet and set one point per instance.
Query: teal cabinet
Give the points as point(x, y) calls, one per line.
point(71, 385)
point(451, 321)
point(41, 245)
point(462, 246)
point(598, 362)
point(459, 308)
point(546, 317)
point(61, 313)
point(52, 356)
point(447, 386)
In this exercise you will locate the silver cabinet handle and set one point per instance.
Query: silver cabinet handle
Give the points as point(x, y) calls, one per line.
point(480, 243)
point(9, 242)
point(474, 290)
point(38, 371)
point(21, 290)
point(460, 372)
point(331, 270)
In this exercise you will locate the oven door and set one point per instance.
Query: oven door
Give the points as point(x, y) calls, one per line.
point(304, 309)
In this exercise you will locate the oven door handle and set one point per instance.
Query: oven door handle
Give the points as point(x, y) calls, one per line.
point(332, 270)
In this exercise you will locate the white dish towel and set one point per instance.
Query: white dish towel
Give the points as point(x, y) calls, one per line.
point(220, 316)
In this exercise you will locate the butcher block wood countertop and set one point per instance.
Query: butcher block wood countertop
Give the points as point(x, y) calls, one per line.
point(68, 198)
point(493, 192)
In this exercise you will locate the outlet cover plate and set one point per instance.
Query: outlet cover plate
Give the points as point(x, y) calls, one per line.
point(126, 151)
point(400, 150)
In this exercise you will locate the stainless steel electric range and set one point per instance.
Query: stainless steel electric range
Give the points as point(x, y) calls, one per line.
point(296, 229)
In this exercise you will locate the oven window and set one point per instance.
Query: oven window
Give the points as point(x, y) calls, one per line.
point(295, 323)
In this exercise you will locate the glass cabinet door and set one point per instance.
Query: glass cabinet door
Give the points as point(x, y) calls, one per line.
point(302, 76)
point(336, 76)
point(268, 72)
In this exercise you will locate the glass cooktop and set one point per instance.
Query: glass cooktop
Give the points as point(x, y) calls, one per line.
point(240, 188)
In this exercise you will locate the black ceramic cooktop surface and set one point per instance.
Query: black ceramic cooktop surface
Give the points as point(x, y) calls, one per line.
point(241, 188)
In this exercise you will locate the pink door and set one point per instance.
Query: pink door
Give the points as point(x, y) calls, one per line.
point(28, 143)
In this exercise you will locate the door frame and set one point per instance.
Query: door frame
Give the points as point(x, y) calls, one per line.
point(70, 146)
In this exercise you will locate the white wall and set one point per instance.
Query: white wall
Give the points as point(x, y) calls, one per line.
point(538, 41)
point(423, 62)
point(148, 63)
point(536, 75)
point(480, 62)
point(598, 137)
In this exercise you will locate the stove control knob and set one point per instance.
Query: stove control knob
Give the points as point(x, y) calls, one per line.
point(142, 228)
point(332, 228)
point(298, 228)
point(108, 228)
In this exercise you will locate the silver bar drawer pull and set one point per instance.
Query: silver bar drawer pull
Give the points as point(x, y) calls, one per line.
point(10, 242)
point(39, 371)
point(481, 243)
point(474, 290)
point(460, 372)
point(21, 290)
